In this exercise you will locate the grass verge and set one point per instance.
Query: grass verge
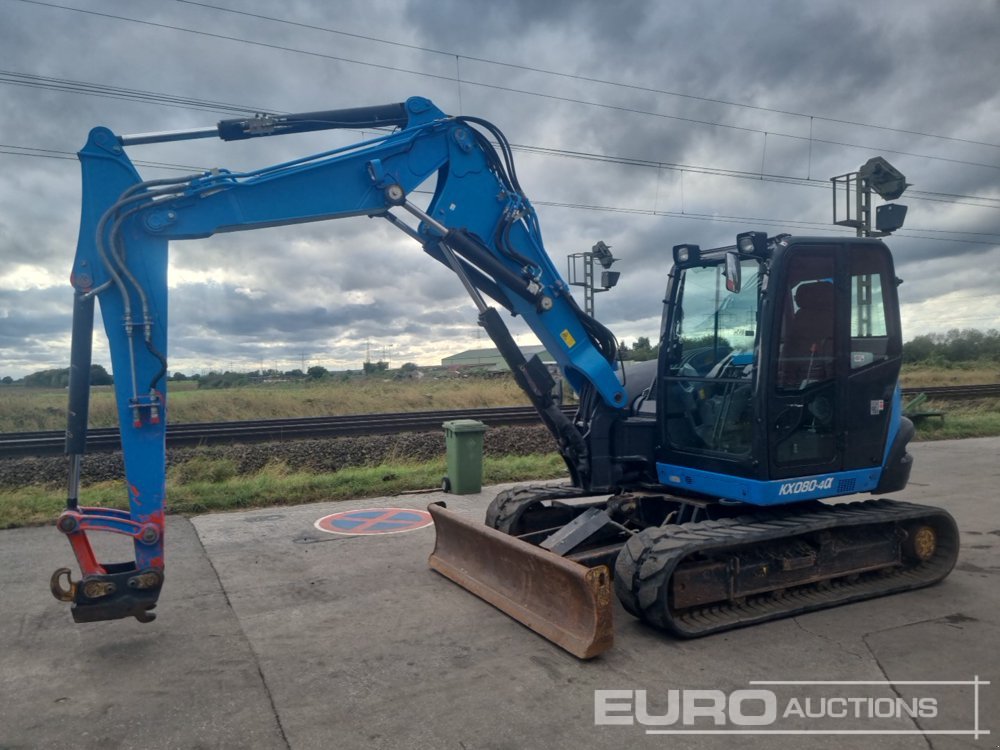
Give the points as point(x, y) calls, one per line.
point(212, 486)
point(966, 419)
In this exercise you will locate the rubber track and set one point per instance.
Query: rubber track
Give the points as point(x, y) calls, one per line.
point(646, 563)
point(506, 508)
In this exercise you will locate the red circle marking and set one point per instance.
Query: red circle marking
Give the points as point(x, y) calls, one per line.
point(373, 521)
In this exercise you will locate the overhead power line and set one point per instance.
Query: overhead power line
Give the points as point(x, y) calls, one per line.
point(88, 88)
point(508, 89)
point(748, 220)
point(49, 153)
point(742, 174)
point(723, 218)
point(578, 77)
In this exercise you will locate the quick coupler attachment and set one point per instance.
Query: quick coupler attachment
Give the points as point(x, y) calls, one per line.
point(111, 591)
point(121, 591)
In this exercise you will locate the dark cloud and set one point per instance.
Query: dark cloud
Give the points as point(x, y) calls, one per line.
point(329, 291)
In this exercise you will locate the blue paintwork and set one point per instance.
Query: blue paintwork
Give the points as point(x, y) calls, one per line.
point(350, 181)
point(340, 183)
point(107, 172)
point(895, 414)
point(743, 359)
point(769, 492)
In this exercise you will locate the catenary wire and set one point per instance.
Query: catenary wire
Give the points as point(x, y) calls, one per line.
point(578, 77)
point(508, 89)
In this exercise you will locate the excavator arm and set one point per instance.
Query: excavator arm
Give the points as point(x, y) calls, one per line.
point(478, 222)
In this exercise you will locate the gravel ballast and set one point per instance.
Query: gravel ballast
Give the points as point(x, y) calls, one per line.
point(307, 455)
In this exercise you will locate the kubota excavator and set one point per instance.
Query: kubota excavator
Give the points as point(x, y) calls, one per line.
point(698, 480)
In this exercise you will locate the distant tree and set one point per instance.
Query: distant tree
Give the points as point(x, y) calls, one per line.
point(179, 376)
point(98, 376)
point(296, 373)
point(224, 379)
point(408, 367)
point(642, 350)
point(921, 349)
point(47, 379)
point(316, 372)
point(967, 345)
point(7, 380)
point(60, 378)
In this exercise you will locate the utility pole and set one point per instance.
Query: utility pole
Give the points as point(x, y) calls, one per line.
point(880, 176)
point(875, 174)
point(601, 253)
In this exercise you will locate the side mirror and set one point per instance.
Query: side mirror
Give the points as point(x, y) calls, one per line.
point(734, 280)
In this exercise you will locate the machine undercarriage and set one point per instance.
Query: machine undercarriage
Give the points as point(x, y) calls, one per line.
point(694, 567)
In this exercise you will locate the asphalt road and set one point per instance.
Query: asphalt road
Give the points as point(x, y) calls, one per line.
point(274, 634)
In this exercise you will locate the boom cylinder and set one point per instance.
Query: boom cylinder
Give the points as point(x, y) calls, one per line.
point(383, 115)
point(242, 128)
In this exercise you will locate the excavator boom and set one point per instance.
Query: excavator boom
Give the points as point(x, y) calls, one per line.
point(478, 223)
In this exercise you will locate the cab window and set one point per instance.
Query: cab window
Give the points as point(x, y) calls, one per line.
point(869, 279)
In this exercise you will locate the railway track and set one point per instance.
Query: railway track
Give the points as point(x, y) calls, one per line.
point(956, 391)
point(50, 442)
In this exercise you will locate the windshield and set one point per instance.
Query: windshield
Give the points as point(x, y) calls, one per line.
point(712, 361)
point(713, 322)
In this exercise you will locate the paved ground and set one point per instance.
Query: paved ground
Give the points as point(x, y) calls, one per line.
point(272, 634)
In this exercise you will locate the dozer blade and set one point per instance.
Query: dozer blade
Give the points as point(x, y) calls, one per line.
point(565, 602)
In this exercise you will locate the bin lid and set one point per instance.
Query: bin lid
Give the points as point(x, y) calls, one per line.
point(464, 425)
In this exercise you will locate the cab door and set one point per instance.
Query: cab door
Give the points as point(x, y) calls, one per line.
point(805, 401)
point(835, 359)
point(875, 354)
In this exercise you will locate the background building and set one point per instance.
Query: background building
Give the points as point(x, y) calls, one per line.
point(490, 359)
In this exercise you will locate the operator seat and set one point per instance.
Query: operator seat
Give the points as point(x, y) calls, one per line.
point(807, 346)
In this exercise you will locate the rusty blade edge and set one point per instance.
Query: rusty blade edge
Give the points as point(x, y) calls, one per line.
point(462, 554)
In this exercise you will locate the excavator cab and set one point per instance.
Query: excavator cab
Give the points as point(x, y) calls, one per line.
point(793, 375)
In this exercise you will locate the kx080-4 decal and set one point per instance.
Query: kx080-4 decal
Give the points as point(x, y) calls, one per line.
point(806, 485)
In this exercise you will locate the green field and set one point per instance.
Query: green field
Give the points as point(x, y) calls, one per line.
point(957, 373)
point(28, 409)
point(203, 485)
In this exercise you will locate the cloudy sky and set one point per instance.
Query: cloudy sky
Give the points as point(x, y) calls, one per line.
point(643, 124)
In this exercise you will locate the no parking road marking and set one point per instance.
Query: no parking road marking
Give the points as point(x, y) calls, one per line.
point(370, 521)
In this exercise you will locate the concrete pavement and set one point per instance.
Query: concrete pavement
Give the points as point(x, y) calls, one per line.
point(274, 634)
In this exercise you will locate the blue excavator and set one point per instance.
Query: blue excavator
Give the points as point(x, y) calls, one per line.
point(705, 488)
